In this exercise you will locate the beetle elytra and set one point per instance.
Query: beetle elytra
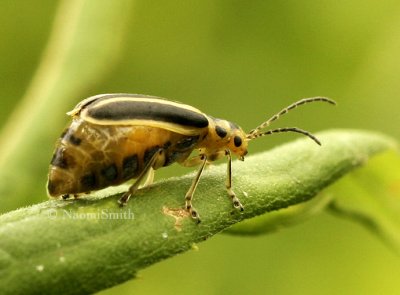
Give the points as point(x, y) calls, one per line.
point(116, 137)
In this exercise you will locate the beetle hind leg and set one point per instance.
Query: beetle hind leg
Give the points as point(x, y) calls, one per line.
point(147, 174)
point(235, 201)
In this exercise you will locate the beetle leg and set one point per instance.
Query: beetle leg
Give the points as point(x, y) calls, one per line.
point(228, 183)
point(65, 197)
point(197, 160)
point(134, 187)
point(190, 192)
point(149, 178)
point(194, 161)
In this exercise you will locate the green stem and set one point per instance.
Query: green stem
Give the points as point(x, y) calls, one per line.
point(82, 246)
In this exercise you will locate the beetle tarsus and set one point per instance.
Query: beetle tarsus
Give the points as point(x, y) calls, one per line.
point(124, 199)
point(237, 204)
point(65, 197)
point(193, 213)
point(190, 192)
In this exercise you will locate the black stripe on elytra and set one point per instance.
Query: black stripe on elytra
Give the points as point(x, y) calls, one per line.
point(97, 98)
point(143, 110)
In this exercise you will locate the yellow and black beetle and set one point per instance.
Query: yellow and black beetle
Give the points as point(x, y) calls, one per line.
point(117, 137)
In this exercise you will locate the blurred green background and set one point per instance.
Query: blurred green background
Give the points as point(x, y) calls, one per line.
point(243, 61)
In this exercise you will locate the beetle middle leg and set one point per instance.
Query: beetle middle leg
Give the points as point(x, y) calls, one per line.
point(228, 183)
point(149, 179)
point(190, 192)
point(146, 173)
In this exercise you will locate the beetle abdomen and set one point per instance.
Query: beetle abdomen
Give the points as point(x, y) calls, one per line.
point(91, 157)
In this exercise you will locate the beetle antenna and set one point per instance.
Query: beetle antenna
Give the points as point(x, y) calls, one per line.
point(286, 110)
point(285, 129)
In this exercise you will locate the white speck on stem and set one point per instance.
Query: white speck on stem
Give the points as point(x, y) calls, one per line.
point(195, 247)
point(40, 267)
point(164, 235)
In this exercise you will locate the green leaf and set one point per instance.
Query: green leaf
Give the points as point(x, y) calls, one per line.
point(86, 245)
point(369, 195)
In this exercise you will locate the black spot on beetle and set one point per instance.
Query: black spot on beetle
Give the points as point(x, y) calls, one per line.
point(237, 141)
point(187, 142)
point(221, 132)
point(148, 154)
point(129, 167)
point(60, 159)
point(64, 132)
point(51, 187)
point(167, 145)
point(173, 157)
point(88, 181)
point(110, 172)
point(69, 136)
point(74, 140)
point(212, 157)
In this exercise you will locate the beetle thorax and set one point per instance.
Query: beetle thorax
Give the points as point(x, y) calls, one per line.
point(224, 135)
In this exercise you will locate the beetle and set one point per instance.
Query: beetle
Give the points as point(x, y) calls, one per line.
point(117, 137)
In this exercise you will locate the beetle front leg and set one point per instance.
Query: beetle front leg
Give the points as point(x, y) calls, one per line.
point(190, 192)
point(146, 173)
point(228, 183)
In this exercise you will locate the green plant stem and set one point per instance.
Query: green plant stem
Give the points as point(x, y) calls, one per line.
point(76, 246)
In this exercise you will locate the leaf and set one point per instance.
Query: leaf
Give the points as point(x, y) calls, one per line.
point(369, 195)
point(87, 245)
